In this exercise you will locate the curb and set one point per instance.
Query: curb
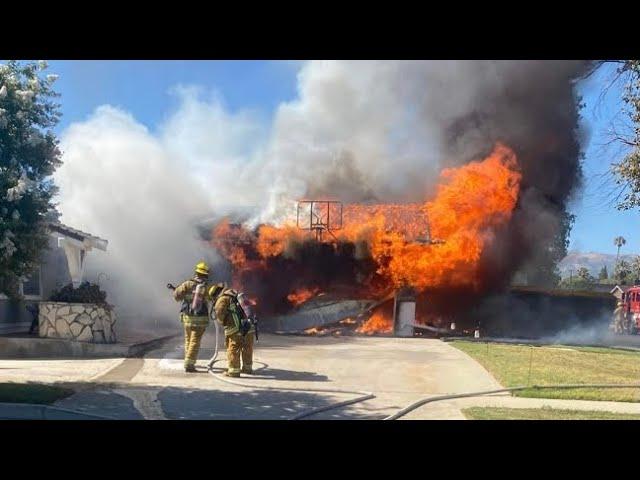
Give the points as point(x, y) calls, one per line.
point(139, 349)
point(31, 411)
point(18, 348)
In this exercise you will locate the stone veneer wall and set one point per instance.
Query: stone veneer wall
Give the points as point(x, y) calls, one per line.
point(81, 322)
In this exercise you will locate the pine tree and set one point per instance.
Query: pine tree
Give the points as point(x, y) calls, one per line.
point(603, 275)
point(29, 155)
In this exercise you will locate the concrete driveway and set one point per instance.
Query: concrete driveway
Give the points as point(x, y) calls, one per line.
point(397, 371)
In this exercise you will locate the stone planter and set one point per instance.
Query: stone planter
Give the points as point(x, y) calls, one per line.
point(80, 322)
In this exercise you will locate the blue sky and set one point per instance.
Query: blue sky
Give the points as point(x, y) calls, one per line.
point(597, 219)
point(143, 88)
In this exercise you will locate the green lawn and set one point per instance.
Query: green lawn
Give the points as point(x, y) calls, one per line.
point(495, 413)
point(510, 365)
point(32, 393)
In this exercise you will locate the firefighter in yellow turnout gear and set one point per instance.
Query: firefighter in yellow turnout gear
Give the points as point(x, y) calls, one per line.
point(620, 319)
point(196, 295)
point(239, 343)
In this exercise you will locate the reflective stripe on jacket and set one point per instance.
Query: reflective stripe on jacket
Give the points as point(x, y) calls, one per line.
point(193, 321)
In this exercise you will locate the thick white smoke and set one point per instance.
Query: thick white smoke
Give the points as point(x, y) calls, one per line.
point(355, 132)
point(122, 183)
point(351, 132)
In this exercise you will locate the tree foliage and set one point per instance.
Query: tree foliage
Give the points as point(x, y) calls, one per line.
point(603, 275)
point(627, 171)
point(635, 268)
point(29, 155)
point(623, 272)
point(584, 275)
point(619, 242)
point(582, 280)
point(546, 271)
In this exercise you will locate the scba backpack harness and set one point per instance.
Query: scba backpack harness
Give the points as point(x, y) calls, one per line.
point(194, 303)
point(240, 311)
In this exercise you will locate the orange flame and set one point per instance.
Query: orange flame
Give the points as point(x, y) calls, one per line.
point(314, 331)
point(302, 295)
point(377, 323)
point(471, 204)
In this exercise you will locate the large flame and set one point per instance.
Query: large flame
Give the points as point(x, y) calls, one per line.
point(379, 322)
point(471, 204)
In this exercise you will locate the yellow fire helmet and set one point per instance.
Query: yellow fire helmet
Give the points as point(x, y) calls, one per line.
point(217, 289)
point(202, 269)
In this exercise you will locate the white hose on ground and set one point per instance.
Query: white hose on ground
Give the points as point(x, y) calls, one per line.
point(215, 352)
point(439, 398)
point(363, 395)
point(369, 395)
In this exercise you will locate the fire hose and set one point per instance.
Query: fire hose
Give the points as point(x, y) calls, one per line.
point(362, 395)
point(361, 398)
point(439, 398)
point(369, 395)
point(401, 413)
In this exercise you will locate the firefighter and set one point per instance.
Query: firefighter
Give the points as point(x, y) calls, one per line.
point(619, 318)
point(195, 294)
point(238, 333)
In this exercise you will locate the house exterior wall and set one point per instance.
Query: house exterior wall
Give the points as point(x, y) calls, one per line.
point(54, 273)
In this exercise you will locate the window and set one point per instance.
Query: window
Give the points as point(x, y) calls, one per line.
point(32, 286)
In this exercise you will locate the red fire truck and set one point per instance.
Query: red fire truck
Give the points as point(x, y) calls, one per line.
point(630, 298)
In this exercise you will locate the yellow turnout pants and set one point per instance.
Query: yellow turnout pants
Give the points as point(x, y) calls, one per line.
point(239, 348)
point(192, 338)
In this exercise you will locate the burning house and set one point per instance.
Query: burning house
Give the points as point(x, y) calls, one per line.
point(453, 177)
point(497, 208)
point(378, 250)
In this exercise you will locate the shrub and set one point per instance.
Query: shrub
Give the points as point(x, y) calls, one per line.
point(85, 293)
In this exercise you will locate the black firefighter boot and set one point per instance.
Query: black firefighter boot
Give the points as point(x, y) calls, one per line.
point(190, 368)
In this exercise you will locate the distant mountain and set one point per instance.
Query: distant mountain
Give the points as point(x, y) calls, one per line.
point(592, 260)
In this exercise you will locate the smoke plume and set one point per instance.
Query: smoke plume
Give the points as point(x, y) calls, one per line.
point(358, 131)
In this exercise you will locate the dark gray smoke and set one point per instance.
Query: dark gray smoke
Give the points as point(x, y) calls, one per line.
point(532, 107)
point(382, 131)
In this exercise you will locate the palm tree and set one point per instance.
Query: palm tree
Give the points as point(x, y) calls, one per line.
point(618, 242)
